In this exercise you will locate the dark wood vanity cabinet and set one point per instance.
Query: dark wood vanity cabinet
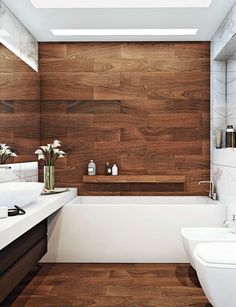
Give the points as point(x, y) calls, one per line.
point(20, 256)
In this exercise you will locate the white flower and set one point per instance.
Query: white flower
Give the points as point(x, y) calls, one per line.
point(38, 151)
point(5, 153)
point(43, 147)
point(56, 144)
point(50, 153)
point(4, 147)
point(41, 157)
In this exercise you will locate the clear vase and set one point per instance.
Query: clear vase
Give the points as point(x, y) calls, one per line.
point(49, 177)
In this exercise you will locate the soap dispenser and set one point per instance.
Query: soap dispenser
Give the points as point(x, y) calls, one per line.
point(91, 168)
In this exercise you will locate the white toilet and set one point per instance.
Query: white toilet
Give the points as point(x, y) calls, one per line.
point(215, 264)
point(191, 237)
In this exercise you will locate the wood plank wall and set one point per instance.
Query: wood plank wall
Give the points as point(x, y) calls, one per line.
point(19, 105)
point(144, 106)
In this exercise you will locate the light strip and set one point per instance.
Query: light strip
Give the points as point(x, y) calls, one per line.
point(131, 32)
point(120, 3)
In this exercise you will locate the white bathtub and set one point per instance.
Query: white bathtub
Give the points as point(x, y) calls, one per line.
point(128, 229)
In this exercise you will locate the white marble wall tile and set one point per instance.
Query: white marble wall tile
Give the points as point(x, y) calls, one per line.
point(224, 34)
point(218, 96)
point(226, 186)
point(29, 169)
point(225, 157)
point(227, 50)
point(233, 56)
point(231, 65)
point(17, 38)
point(231, 96)
point(15, 168)
point(223, 110)
point(20, 172)
point(218, 102)
point(8, 175)
point(218, 66)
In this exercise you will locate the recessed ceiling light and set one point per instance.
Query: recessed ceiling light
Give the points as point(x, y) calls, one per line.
point(120, 3)
point(131, 32)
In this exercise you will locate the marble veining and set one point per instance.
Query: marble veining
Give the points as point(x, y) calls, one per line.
point(231, 95)
point(224, 40)
point(17, 38)
point(27, 171)
point(223, 108)
point(225, 185)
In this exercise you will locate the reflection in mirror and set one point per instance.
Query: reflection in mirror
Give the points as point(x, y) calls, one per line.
point(19, 106)
point(6, 153)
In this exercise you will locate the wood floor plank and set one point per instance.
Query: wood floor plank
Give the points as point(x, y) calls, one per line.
point(109, 285)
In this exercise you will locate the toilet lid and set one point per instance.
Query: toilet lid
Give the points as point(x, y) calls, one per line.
point(217, 253)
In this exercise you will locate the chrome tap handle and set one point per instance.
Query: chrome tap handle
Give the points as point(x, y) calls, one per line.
point(227, 223)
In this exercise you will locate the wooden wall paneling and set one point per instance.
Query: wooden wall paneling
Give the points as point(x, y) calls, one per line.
point(164, 134)
point(11, 64)
point(19, 86)
point(159, 51)
point(144, 106)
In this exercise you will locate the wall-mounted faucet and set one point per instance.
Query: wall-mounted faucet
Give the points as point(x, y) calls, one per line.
point(231, 222)
point(4, 167)
point(212, 192)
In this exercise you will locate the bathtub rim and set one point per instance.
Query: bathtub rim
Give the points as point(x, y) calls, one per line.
point(208, 202)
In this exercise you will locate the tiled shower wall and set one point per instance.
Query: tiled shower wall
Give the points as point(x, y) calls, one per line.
point(223, 109)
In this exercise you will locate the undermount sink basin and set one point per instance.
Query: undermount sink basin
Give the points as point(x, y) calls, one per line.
point(19, 193)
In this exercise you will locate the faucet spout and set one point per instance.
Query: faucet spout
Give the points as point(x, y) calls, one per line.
point(4, 167)
point(211, 192)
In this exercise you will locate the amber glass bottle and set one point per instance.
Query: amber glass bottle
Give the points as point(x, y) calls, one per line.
point(108, 169)
point(230, 136)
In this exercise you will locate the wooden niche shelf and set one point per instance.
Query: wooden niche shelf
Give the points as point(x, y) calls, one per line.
point(134, 179)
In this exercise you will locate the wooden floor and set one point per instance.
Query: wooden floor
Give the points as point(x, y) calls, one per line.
point(123, 285)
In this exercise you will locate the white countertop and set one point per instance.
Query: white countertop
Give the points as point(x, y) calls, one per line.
point(13, 227)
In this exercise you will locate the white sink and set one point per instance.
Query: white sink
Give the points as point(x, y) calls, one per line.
point(19, 193)
point(193, 236)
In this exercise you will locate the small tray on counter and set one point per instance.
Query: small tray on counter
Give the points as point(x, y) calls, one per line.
point(57, 191)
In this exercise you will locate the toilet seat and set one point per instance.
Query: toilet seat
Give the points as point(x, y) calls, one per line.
point(217, 254)
point(216, 270)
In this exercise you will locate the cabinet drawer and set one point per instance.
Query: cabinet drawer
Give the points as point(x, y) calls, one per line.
point(10, 279)
point(15, 250)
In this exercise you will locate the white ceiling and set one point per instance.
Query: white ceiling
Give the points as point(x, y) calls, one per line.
point(41, 21)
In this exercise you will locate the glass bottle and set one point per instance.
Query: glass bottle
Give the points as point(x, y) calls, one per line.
point(91, 168)
point(230, 136)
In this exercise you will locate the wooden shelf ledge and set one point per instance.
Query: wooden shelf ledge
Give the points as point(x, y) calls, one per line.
point(134, 179)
